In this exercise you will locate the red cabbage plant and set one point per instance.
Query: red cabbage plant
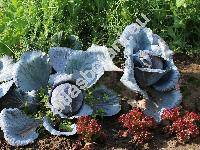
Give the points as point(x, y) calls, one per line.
point(150, 70)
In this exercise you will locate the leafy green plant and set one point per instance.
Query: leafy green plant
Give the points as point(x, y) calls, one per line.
point(65, 126)
point(42, 24)
point(176, 21)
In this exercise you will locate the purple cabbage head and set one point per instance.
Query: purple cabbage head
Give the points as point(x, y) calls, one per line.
point(149, 69)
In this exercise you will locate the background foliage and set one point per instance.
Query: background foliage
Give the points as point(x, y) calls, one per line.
point(40, 24)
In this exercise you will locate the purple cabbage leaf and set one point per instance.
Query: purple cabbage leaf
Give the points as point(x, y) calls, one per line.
point(18, 128)
point(89, 65)
point(6, 74)
point(32, 71)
